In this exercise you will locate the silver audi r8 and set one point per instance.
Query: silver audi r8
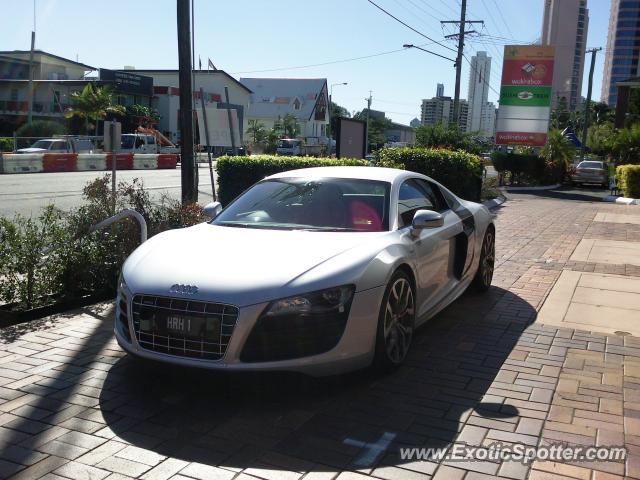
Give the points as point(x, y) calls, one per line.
point(319, 270)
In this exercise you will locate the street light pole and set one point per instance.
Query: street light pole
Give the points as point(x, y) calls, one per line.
point(331, 103)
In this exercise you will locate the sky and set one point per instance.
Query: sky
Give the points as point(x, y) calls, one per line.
point(342, 40)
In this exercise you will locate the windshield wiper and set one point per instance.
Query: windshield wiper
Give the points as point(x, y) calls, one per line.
point(327, 229)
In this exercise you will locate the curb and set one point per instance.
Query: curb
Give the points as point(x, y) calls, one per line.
point(621, 200)
point(494, 202)
point(545, 187)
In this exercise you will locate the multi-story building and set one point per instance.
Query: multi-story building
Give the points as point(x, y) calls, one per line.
point(440, 90)
point(622, 60)
point(439, 110)
point(478, 91)
point(565, 25)
point(488, 120)
point(54, 80)
point(166, 96)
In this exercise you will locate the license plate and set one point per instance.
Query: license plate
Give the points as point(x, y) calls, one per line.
point(179, 324)
point(192, 327)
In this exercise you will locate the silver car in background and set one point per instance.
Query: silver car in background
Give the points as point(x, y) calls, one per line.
point(321, 271)
point(590, 171)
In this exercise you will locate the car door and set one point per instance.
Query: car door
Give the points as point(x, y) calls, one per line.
point(433, 248)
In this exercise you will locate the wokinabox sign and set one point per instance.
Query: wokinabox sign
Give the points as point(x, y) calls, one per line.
point(525, 95)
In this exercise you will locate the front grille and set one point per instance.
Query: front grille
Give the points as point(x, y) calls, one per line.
point(154, 319)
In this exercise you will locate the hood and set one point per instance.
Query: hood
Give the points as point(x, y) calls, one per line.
point(239, 266)
point(31, 150)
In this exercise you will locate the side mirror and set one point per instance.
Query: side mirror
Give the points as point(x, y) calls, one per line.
point(212, 210)
point(426, 219)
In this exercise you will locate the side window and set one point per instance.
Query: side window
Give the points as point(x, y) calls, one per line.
point(434, 194)
point(412, 197)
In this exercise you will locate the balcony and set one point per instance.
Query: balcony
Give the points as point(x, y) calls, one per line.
point(16, 107)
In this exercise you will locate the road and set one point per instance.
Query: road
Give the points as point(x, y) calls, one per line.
point(28, 193)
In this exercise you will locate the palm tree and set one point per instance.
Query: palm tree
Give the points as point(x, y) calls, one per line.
point(558, 152)
point(92, 103)
point(290, 126)
point(257, 131)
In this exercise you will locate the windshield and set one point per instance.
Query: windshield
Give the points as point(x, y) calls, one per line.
point(590, 165)
point(127, 141)
point(287, 144)
point(326, 204)
point(45, 144)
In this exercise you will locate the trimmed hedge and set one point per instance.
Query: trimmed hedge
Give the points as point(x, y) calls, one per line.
point(236, 174)
point(459, 171)
point(628, 178)
point(527, 168)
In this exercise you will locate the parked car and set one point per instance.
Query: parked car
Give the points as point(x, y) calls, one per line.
point(320, 270)
point(289, 147)
point(60, 145)
point(590, 171)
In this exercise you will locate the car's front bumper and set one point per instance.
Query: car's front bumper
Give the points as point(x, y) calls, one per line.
point(354, 350)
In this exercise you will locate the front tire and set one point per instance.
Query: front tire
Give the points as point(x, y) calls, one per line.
point(484, 275)
point(395, 322)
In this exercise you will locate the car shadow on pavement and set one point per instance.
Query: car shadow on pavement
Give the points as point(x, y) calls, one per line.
point(358, 420)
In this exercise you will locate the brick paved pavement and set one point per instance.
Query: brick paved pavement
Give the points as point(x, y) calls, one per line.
point(72, 406)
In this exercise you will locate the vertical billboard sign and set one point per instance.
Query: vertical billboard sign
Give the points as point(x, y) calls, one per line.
point(525, 95)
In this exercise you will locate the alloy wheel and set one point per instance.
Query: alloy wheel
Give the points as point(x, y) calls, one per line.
point(488, 258)
point(398, 320)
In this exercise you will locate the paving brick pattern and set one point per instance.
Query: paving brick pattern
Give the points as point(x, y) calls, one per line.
point(73, 406)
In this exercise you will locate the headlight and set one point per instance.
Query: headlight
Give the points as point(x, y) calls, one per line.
point(329, 301)
point(122, 285)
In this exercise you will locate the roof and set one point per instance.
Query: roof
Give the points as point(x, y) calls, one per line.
point(364, 173)
point(275, 97)
point(160, 70)
point(8, 53)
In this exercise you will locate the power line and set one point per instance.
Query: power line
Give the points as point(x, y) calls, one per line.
point(344, 60)
point(502, 17)
point(409, 26)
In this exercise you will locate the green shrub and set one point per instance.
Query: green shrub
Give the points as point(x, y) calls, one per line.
point(459, 171)
point(628, 178)
point(55, 255)
point(41, 128)
point(526, 168)
point(6, 144)
point(28, 272)
point(236, 174)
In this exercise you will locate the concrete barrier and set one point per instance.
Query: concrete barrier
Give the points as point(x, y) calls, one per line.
point(167, 160)
point(17, 163)
point(82, 162)
point(124, 161)
point(91, 162)
point(59, 162)
point(145, 161)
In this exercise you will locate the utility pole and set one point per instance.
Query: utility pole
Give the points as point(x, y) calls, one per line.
point(187, 166)
point(368, 100)
point(462, 23)
point(587, 104)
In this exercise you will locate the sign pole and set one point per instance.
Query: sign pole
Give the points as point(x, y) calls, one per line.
point(206, 135)
point(233, 140)
point(114, 161)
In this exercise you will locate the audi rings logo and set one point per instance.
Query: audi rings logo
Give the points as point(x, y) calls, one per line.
point(183, 289)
